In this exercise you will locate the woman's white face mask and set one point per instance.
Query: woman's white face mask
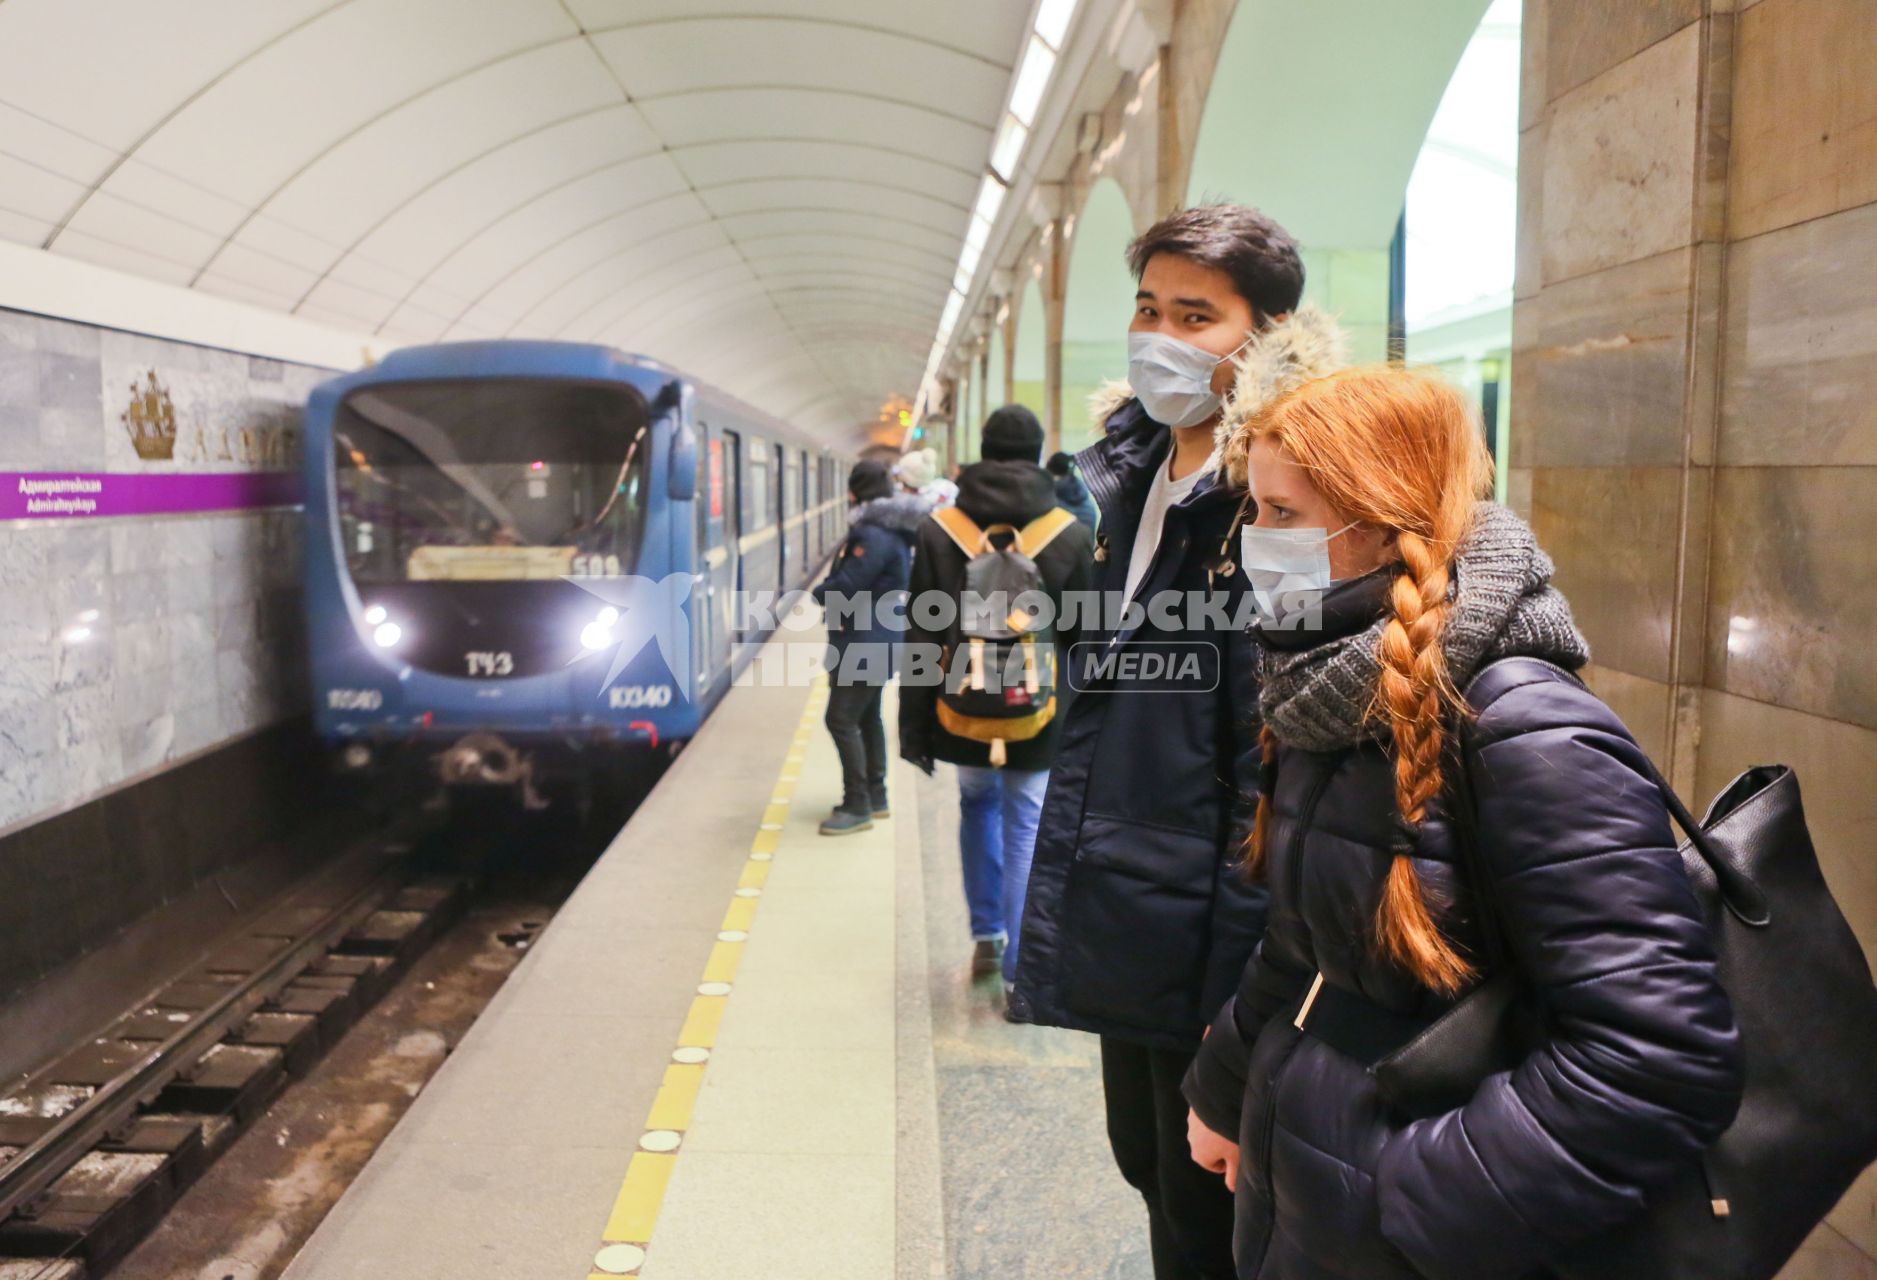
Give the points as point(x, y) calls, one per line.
point(1289, 571)
point(1174, 379)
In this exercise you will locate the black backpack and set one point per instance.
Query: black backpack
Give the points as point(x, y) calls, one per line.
point(1000, 678)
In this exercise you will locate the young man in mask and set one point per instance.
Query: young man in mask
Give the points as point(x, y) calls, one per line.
point(1139, 921)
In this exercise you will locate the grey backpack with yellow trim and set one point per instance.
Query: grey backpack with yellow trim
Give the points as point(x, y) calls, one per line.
point(1000, 678)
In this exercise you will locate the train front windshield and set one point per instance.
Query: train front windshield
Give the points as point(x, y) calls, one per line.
point(483, 481)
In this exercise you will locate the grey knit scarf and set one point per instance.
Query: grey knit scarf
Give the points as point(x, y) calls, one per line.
point(1319, 699)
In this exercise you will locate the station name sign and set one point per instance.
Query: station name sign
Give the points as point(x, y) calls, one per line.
point(67, 495)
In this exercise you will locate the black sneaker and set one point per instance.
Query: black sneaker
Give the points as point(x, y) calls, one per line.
point(845, 822)
point(880, 807)
point(987, 957)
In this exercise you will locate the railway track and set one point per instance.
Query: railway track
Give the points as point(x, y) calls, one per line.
point(96, 1145)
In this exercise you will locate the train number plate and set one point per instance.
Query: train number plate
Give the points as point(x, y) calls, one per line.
point(354, 699)
point(483, 662)
point(631, 697)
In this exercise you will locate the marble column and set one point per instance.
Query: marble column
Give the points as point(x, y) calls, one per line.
point(1055, 309)
point(1695, 381)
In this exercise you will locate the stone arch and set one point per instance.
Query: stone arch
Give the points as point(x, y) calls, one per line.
point(1098, 300)
point(1030, 351)
point(1323, 133)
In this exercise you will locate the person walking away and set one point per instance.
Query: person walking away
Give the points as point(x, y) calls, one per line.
point(860, 595)
point(1000, 782)
point(1137, 926)
point(1410, 642)
point(918, 471)
point(1071, 493)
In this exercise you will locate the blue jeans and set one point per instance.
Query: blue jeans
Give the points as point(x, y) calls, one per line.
point(998, 812)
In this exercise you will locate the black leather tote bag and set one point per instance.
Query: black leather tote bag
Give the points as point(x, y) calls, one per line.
point(1807, 1010)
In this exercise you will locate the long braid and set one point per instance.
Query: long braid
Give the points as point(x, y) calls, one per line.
point(1415, 694)
point(1400, 451)
point(1267, 781)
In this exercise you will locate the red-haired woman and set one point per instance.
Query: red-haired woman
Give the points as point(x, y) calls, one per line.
point(1391, 598)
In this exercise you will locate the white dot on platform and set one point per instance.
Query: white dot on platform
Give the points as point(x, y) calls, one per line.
point(713, 988)
point(761, 857)
point(619, 1259)
point(733, 935)
point(690, 1055)
point(749, 893)
point(660, 1140)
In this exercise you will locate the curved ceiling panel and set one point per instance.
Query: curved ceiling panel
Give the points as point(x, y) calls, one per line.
point(988, 28)
point(770, 194)
point(850, 195)
point(712, 164)
point(714, 115)
point(657, 60)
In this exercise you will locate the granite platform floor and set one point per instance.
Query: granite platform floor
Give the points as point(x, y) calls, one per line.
point(743, 1049)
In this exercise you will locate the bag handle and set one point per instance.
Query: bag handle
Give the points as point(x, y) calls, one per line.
point(1743, 898)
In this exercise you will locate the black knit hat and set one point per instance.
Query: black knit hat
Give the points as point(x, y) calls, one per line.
point(1012, 432)
point(870, 479)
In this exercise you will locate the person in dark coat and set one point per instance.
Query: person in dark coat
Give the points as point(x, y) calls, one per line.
point(998, 807)
point(861, 594)
point(1071, 493)
point(1420, 592)
point(1137, 925)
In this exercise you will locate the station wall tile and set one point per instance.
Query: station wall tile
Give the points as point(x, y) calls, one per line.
point(1805, 112)
point(1608, 376)
point(1619, 161)
point(1790, 610)
point(1613, 533)
point(1581, 48)
point(1801, 345)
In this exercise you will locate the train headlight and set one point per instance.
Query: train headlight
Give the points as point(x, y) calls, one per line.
point(597, 635)
point(374, 614)
point(387, 635)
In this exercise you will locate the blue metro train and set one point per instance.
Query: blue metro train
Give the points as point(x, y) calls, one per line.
point(523, 553)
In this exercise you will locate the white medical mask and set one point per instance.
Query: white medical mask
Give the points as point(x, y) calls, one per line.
point(1174, 379)
point(1289, 571)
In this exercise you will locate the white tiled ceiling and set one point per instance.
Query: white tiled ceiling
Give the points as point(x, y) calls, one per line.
point(770, 194)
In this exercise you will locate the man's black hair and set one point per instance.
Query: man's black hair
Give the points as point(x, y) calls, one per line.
point(1060, 464)
point(1258, 255)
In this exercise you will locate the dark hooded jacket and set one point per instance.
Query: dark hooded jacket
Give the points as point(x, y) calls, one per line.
point(1072, 495)
point(1640, 1067)
point(1137, 924)
point(871, 568)
point(997, 492)
point(1134, 925)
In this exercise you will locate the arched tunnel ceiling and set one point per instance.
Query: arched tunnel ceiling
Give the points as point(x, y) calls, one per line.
point(770, 194)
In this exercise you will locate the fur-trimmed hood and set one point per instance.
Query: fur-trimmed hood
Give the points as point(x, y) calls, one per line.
point(900, 512)
point(1306, 344)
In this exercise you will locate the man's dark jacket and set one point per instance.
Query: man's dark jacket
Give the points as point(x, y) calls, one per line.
point(870, 568)
point(1139, 921)
point(997, 492)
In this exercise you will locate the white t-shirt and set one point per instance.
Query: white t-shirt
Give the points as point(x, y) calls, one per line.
point(1165, 493)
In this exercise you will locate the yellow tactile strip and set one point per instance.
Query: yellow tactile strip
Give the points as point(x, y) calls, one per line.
point(628, 1233)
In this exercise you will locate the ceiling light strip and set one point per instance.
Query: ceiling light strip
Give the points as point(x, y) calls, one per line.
point(1042, 50)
